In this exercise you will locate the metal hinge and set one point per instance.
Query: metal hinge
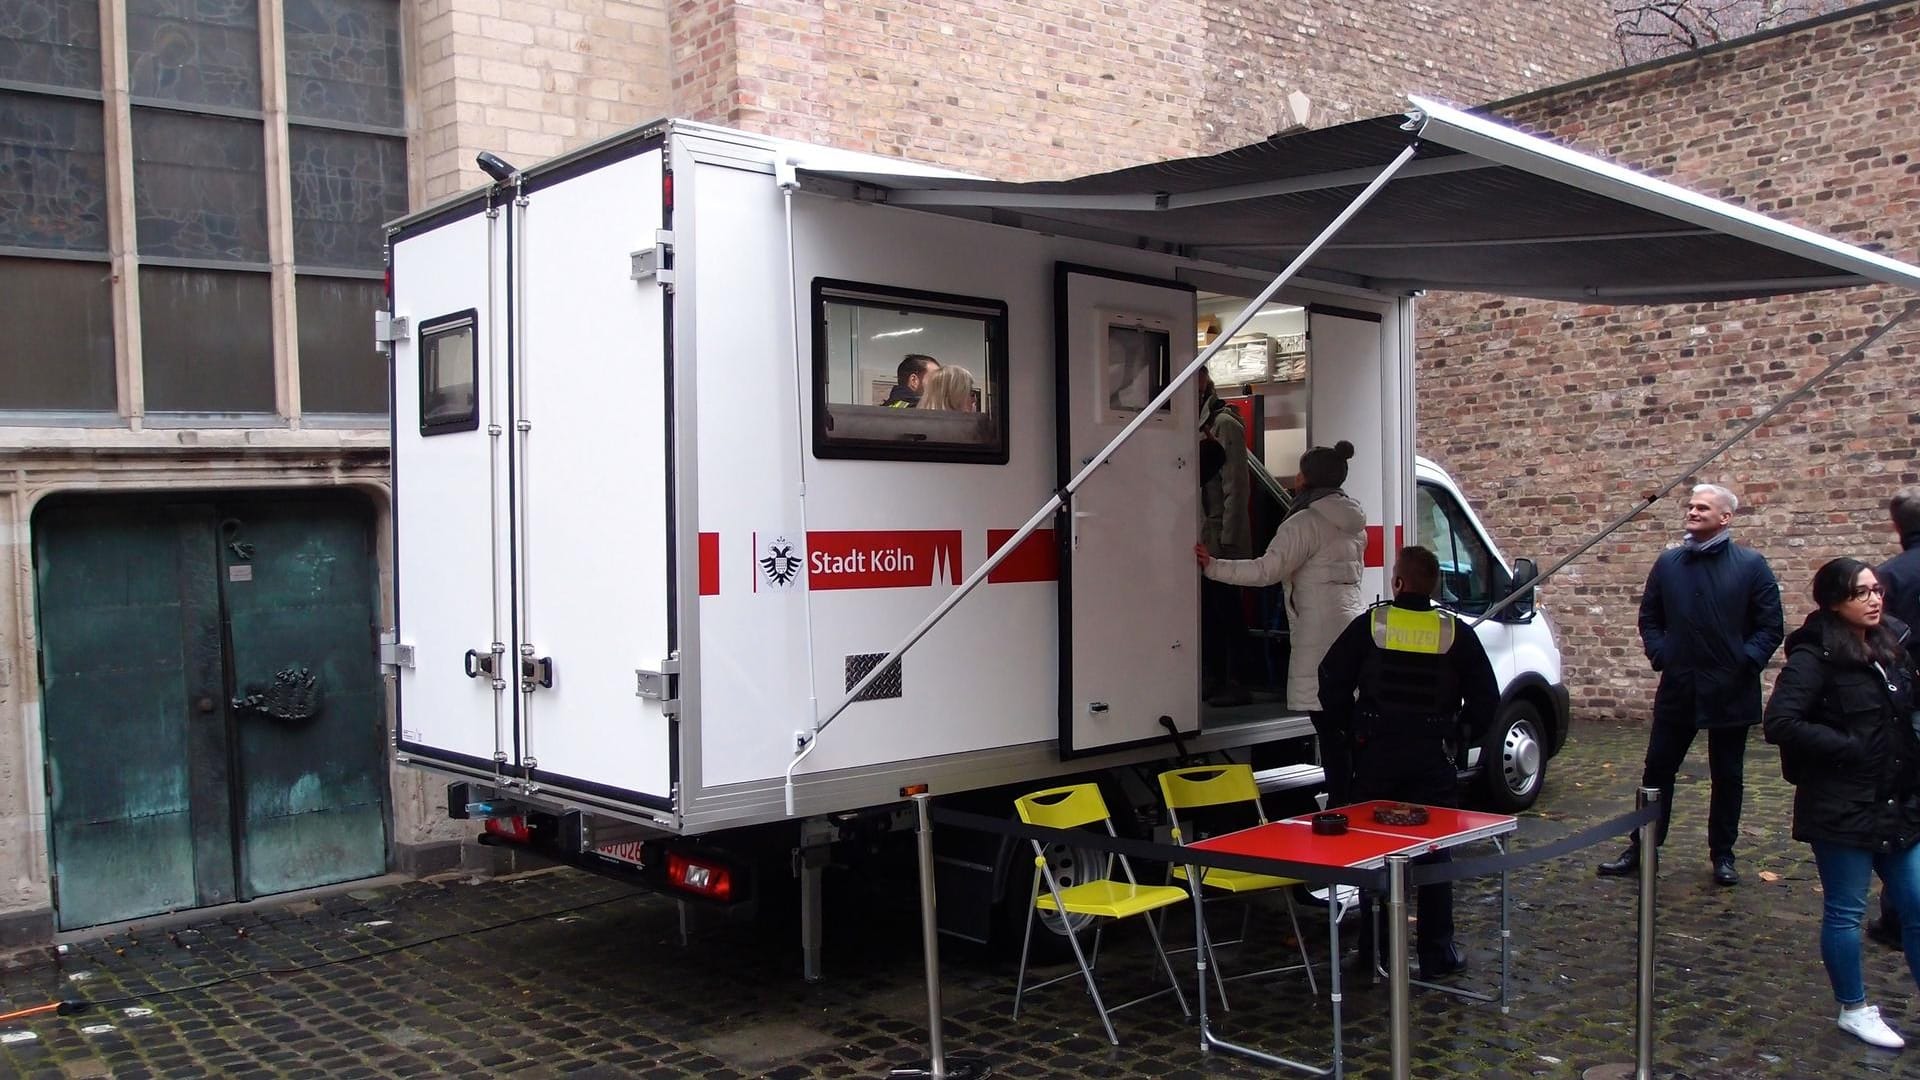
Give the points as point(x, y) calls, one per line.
point(392, 653)
point(651, 263)
point(662, 685)
point(389, 328)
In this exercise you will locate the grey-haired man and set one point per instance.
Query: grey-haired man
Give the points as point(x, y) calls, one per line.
point(1709, 620)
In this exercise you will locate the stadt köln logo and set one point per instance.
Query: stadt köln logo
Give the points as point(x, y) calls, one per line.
point(780, 562)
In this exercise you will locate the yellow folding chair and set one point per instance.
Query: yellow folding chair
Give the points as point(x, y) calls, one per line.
point(1103, 898)
point(1200, 787)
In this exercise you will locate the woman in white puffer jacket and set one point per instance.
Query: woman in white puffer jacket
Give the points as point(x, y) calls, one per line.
point(1316, 555)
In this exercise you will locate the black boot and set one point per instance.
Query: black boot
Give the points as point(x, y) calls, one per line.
point(1439, 965)
point(1626, 865)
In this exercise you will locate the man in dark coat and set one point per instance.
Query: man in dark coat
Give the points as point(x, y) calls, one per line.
point(1709, 620)
point(1900, 576)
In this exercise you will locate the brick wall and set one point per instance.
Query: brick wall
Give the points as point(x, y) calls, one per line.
point(528, 79)
point(1046, 89)
point(1555, 416)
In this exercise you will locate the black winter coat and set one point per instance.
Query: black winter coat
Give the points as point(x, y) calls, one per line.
point(1846, 743)
point(1900, 576)
point(1709, 621)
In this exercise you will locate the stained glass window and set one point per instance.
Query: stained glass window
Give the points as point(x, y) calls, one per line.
point(340, 370)
point(346, 186)
point(195, 52)
point(199, 186)
point(53, 173)
point(206, 341)
point(343, 61)
point(59, 331)
point(51, 42)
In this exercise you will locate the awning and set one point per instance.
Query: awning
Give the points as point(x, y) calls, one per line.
point(1481, 208)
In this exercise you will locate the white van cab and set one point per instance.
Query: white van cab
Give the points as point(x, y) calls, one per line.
point(1511, 765)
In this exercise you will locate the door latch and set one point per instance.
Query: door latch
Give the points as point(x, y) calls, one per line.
point(536, 671)
point(478, 664)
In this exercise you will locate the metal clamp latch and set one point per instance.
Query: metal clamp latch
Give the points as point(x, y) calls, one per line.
point(662, 686)
point(392, 653)
point(389, 328)
point(536, 671)
point(652, 262)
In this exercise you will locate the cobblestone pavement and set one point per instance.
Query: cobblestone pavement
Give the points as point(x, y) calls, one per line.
point(587, 979)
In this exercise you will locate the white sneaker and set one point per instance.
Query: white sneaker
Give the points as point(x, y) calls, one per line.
point(1865, 1023)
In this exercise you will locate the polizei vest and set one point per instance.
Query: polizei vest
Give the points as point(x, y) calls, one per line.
point(1408, 677)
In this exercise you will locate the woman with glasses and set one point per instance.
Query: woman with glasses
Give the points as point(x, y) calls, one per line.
point(1842, 713)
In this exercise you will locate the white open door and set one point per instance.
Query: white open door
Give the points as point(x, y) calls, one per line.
point(591, 469)
point(1352, 395)
point(449, 493)
point(1130, 591)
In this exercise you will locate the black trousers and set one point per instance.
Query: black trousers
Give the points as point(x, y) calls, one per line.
point(1222, 627)
point(1726, 764)
point(1417, 771)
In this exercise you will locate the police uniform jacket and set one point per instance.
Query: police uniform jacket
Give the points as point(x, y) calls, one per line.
point(1358, 677)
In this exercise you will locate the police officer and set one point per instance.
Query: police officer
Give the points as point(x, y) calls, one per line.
point(1410, 686)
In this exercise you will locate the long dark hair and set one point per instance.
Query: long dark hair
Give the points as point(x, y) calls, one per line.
point(1833, 586)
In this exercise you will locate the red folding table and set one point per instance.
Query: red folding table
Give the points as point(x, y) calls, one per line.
point(1364, 846)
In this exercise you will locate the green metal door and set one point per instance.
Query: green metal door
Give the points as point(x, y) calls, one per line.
point(133, 691)
point(308, 716)
point(172, 783)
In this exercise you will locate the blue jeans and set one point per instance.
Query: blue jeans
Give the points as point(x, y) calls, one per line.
point(1844, 876)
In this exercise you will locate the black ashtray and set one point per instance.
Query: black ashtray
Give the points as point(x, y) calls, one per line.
point(1329, 823)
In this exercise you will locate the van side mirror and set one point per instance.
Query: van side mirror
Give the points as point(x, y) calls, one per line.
point(1525, 572)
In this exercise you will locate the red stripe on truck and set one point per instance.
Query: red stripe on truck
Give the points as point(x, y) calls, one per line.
point(1036, 559)
point(1376, 545)
point(710, 564)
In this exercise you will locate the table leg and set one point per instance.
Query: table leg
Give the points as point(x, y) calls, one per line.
point(1506, 935)
point(1210, 1041)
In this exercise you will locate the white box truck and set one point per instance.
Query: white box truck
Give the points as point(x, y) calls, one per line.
point(656, 520)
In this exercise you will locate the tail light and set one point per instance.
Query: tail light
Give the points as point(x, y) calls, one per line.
point(706, 879)
point(510, 828)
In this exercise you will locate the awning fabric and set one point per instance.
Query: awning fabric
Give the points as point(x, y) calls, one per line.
point(1481, 208)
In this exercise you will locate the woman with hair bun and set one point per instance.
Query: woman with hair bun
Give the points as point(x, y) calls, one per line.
point(1317, 555)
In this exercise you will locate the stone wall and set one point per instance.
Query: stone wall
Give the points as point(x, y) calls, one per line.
point(1557, 417)
point(1032, 90)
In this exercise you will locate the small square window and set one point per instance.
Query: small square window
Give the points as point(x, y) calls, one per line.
point(1136, 362)
point(449, 375)
point(908, 376)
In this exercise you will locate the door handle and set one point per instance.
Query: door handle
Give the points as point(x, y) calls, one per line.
point(477, 663)
point(536, 671)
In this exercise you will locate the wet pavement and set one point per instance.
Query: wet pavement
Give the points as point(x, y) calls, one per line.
point(563, 974)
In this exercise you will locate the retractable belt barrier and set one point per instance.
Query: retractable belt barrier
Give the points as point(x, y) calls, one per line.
point(1311, 873)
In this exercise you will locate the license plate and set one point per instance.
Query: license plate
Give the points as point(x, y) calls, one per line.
point(626, 851)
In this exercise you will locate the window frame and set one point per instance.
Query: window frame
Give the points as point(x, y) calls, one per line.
point(1463, 532)
point(992, 312)
point(470, 319)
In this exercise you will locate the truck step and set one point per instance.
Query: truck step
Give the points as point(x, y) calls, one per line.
point(1289, 777)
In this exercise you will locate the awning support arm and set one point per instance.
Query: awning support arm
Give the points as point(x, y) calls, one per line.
point(1058, 499)
point(1746, 429)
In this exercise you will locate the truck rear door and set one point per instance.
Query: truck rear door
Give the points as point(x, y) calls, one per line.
point(593, 561)
point(451, 574)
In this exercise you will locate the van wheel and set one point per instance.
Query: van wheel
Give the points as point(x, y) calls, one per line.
point(1514, 759)
point(1071, 865)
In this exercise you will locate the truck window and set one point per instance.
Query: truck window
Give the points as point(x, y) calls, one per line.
point(1470, 577)
point(908, 376)
point(449, 375)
